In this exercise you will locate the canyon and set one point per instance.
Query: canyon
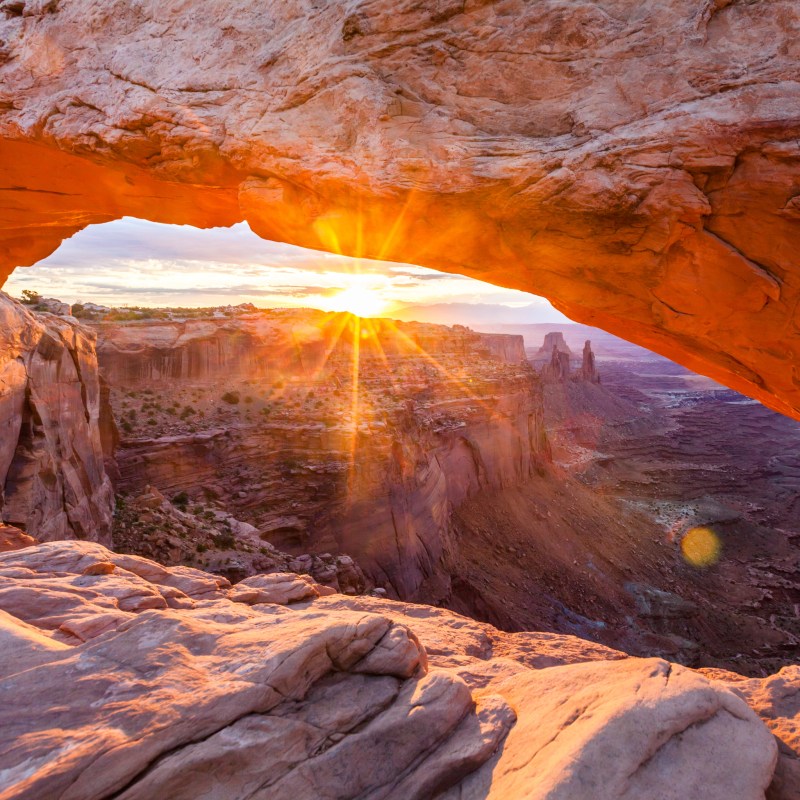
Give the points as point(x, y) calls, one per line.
point(315, 458)
point(437, 465)
point(328, 433)
point(292, 554)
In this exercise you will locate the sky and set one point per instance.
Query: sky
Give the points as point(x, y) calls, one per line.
point(139, 263)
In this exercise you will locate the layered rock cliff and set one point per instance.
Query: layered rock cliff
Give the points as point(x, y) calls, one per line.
point(182, 686)
point(636, 163)
point(52, 473)
point(331, 434)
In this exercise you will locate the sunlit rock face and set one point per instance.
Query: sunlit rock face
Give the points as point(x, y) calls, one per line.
point(354, 436)
point(52, 475)
point(636, 163)
point(183, 687)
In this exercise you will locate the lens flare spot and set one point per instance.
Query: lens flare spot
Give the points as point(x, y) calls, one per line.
point(701, 547)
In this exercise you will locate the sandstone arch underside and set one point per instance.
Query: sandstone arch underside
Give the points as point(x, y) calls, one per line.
point(636, 163)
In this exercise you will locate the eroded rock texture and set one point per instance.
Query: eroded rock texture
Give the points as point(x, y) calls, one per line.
point(54, 484)
point(637, 163)
point(180, 687)
point(441, 414)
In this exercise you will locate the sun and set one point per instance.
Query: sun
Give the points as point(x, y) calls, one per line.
point(359, 300)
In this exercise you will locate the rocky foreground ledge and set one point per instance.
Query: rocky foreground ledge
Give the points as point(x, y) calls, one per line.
point(125, 679)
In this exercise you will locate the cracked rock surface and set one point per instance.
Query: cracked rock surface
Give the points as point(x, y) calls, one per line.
point(636, 163)
point(187, 693)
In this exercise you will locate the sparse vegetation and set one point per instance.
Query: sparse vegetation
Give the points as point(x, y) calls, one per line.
point(181, 500)
point(224, 541)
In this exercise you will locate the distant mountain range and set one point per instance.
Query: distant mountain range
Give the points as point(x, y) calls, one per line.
point(473, 314)
point(532, 322)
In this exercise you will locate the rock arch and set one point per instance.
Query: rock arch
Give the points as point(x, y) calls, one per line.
point(636, 163)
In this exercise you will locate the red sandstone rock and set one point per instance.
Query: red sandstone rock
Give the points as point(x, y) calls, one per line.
point(336, 698)
point(588, 370)
point(636, 163)
point(776, 699)
point(12, 538)
point(51, 458)
point(277, 587)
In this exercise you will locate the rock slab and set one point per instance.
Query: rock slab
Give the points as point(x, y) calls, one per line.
point(52, 465)
point(186, 693)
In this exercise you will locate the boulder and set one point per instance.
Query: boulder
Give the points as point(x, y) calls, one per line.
point(12, 538)
point(335, 697)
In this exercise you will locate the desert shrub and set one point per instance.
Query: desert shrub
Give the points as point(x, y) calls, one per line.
point(126, 426)
point(224, 541)
point(201, 548)
point(231, 398)
point(152, 421)
point(187, 412)
point(289, 463)
point(122, 315)
point(248, 399)
point(181, 500)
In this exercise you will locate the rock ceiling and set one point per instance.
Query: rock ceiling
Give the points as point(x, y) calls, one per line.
point(636, 163)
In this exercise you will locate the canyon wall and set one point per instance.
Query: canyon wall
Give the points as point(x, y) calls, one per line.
point(636, 163)
point(52, 473)
point(318, 457)
point(261, 346)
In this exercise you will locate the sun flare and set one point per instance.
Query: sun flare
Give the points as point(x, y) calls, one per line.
point(359, 300)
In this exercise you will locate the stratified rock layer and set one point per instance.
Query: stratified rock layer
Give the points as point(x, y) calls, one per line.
point(637, 163)
point(52, 474)
point(336, 435)
point(124, 679)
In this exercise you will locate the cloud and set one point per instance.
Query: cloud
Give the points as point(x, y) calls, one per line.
point(428, 275)
point(134, 262)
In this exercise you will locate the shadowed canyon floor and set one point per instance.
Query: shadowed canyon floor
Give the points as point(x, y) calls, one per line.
point(682, 453)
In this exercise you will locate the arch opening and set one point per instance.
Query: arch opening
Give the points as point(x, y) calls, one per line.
point(629, 273)
point(240, 437)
